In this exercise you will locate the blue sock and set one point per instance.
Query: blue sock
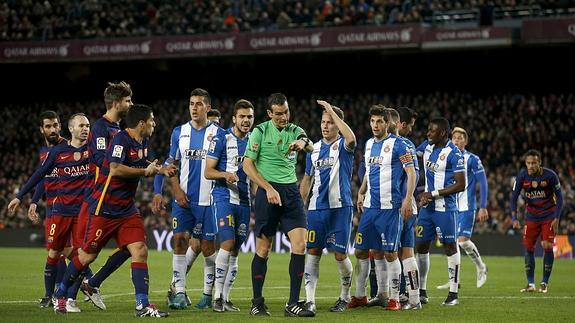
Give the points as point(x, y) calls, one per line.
point(141, 283)
point(114, 262)
point(73, 290)
point(547, 265)
point(61, 270)
point(50, 273)
point(72, 273)
point(530, 266)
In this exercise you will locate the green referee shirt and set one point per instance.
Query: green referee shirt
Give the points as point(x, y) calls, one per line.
point(268, 147)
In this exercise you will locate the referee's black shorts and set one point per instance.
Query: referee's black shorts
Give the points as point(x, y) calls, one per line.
point(271, 217)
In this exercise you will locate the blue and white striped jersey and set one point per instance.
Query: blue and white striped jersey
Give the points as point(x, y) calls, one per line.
point(190, 147)
point(467, 199)
point(229, 150)
point(330, 166)
point(440, 166)
point(384, 163)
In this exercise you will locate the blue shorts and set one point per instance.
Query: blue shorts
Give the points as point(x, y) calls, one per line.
point(233, 221)
point(270, 217)
point(379, 229)
point(407, 236)
point(329, 228)
point(197, 220)
point(465, 223)
point(433, 223)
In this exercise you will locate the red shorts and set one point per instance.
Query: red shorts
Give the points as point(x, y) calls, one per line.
point(83, 218)
point(61, 232)
point(47, 223)
point(533, 230)
point(124, 230)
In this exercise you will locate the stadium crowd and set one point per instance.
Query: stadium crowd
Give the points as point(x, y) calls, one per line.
point(501, 129)
point(81, 19)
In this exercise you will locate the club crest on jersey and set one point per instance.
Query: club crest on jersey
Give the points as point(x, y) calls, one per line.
point(534, 184)
point(117, 152)
point(334, 147)
point(140, 153)
point(543, 183)
point(77, 156)
point(442, 157)
point(100, 143)
point(386, 149)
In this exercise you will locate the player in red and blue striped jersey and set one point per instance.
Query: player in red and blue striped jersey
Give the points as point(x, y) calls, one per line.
point(50, 129)
point(118, 100)
point(68, 166)
point(231, 199)
point(330, 209)
point(113, 210)
point(543, 203)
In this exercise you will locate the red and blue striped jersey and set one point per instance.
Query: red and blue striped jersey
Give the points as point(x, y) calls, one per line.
point(541, 192)
point(114, 196)
point(66, 171)
point(101, 134)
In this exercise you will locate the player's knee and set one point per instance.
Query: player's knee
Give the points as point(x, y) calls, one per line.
point(547, 245)
point(53, 253)
point(339, 256)
point(227, 245)
point(462, 239)
point(298, 247)
point(422, 247)
point(361, 253)
point(208, 247)
point(450, 249)
point(390, 256)
point(140, 253)
point(180, 243)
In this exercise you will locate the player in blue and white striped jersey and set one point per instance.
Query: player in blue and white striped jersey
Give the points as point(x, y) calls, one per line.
point(444, 178)
point(330, 209)
point(231, 199)
point(387, 158)
point(191, 208)
point(474, 174)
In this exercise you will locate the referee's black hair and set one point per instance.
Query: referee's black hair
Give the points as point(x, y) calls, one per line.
point(276, 99)
point(137, 113)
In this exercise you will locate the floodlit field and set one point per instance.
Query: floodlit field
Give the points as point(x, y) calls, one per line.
point(21, 284)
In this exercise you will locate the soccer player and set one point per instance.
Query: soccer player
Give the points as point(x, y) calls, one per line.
point(50, 129)
point(383, 205)
point(444, 177)
point(214, 116)
point(474, 173)
point(543, 203)
point(231, 199)
point(118, 100)
point(403, 120)
point(330, 210)
point(113, 210)
point(270, 160)
point(66, 167)
point(191, 209)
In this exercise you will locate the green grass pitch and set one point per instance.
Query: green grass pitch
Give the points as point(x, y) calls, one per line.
point(21, 284)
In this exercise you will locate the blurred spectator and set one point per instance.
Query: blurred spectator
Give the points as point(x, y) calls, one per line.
point(61, 19)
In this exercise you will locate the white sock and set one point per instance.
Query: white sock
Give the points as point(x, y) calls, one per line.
point(311, 275)
point(179, 273)
point(453, 266)
point(190, 258)
point(394, 277)
point(222, 263)
point(423, 265)
point(411, 274)
point(209, 271)
point(382, 277)
point(473, 253)
point(361, 277)
point(345, 272)
point(230, 277)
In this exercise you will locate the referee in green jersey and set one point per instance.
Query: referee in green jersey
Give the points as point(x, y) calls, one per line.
point(270, 160)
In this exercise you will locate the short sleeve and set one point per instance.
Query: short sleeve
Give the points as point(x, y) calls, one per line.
point(254, 144)
point(119, 148)
point(217, 146)
point(308, 165)
point(175, 153)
